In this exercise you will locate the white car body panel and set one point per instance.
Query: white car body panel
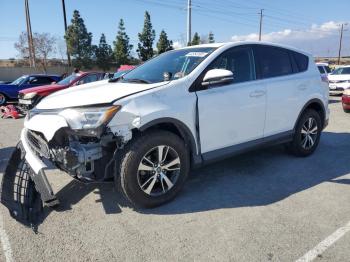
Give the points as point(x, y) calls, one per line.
point(221, 114)
point(286, 96)
point(99, 92)
point(46, 124)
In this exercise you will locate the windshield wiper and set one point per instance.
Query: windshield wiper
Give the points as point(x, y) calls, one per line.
point(135, 80)
point(113, 80)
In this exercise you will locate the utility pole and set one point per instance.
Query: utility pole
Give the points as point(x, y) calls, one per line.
point(65, 29)
point(189, 21)
point(340, 41)
point(261, 20)
point(30, 35)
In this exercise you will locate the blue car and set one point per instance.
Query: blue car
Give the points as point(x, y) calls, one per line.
point(9, 92)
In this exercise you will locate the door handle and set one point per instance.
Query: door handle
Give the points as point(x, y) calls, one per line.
point(302, 87)
point(257, 93)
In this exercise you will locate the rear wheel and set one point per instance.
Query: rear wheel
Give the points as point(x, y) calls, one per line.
point(153, 168)
point(3, 99)
point(346, 110)
point(307, 134)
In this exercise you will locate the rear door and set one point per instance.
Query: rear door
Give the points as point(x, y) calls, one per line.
point(278, 70)
point(233, 113)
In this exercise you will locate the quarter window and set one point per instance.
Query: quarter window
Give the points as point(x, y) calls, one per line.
point(301, 60)
point(240, 61)
point(274, 61)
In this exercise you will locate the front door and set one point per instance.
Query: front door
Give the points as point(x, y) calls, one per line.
point(234, 113)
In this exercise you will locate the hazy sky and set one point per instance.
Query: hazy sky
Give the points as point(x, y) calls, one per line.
point(307, 24)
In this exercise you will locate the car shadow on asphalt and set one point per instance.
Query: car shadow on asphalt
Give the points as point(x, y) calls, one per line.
point(256, 178)
point(75, 191)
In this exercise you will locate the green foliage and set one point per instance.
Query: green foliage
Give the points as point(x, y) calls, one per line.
point(164, 44)
point(146, 39)
point(79, 42)
point(211, 38)
point(122, 47)
point(104, 54)
point(196, 39)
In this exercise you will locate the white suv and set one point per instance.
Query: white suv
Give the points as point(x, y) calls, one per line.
point(175, 112)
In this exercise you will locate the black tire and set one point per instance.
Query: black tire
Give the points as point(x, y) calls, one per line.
point(3, 99)
point(296, 147)
point(346, 110)
point(128, 177)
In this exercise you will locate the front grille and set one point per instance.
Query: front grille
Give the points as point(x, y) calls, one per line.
point(38, 144)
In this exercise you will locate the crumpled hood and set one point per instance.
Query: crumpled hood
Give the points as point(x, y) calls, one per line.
point(41, 89)
point(99, 92)
point(338, 77)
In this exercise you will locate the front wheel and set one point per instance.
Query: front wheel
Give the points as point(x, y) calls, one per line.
point(307, 134)
point(153, 168)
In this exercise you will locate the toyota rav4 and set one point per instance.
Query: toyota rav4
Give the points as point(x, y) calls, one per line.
point(180, 110)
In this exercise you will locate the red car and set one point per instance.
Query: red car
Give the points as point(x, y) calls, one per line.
point(346, 101)
point(28, 98)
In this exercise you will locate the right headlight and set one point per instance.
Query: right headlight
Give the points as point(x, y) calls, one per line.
point(89, 121)
point(29, 95)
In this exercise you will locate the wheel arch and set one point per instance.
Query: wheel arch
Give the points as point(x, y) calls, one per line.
point(179, 128)
point(318, 106)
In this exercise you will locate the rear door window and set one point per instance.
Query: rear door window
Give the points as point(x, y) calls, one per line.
point(40, 80)
point(273, 61)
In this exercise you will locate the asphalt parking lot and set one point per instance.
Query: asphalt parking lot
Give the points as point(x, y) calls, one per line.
point(262, 206)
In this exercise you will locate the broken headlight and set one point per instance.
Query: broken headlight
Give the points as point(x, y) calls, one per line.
point(89, 121)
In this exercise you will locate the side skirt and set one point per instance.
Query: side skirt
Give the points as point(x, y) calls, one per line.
point(230, 151)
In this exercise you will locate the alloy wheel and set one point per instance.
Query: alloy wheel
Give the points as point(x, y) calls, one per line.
point(309, 132)
point(158, 170)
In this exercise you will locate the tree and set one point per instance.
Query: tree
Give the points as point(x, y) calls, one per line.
point(211, 37)
point(79, 42)
point(122, 47)
point(104, 54)
point(44, 47)
point(196, 39)
point(146, 39)
point(164, 44)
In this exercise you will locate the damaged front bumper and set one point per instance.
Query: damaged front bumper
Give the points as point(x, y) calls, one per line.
point(23, 191)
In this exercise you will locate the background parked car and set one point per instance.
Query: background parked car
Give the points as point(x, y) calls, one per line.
point(324, 70)
point(346, 101)
point(122, 70)
point(28, 98)
point(339, 80)
point(10, 91)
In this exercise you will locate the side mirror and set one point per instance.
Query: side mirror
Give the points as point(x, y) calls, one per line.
point(217, 77)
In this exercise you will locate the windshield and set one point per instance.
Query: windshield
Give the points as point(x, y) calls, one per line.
point(68, 79)
point(19, 81)
point(342, 71)
point(168, 66)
